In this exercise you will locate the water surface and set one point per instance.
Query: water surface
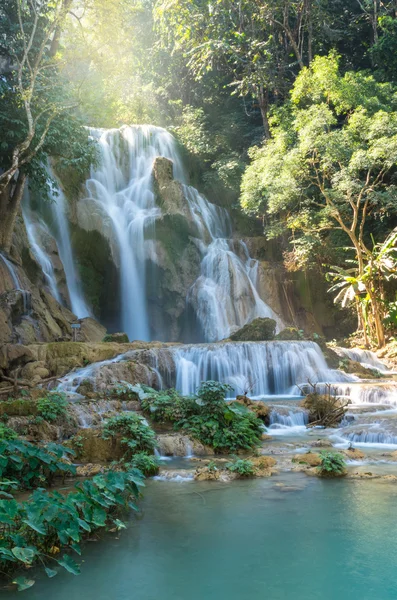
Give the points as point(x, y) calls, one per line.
point(288, 537)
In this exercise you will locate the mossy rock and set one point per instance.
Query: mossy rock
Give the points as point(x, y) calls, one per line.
point(91, 447)
point(290, 334)
point(118, 338)
point(259, 330)
point(21, 407)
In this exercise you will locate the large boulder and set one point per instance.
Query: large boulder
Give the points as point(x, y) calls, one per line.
point(310, 459)
point(259, 330)
point(176, 444)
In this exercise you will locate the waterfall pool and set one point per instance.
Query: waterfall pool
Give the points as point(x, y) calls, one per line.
point(289, 537)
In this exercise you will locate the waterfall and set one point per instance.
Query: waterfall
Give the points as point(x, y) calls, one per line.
point(26, 296)
point(121, 204)
point(289, 418)
point(60, 229)
point(261, 368)
point(366, 358)
point(120, 194)
point(224, 296)
point(34, 231)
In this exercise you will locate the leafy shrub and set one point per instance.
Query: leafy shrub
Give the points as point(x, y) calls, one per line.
point(32, 465)
point(33, 531)
point(332, 464)
point(208, 418)
point(167, 405)
point(6, 433)
point(213, 394)
point(212, 466)
point(242, 466)
point(146, 463)
point(135, 433)
point(53, 406)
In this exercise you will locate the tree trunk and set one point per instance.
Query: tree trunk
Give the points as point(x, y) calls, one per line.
point(10, 201)
point(376, 314)
point(263, 100)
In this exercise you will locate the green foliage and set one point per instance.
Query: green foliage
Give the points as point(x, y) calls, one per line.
point(135, 433)
point(242, 466)
point(53, 407)
point(212, 394)
point(207, 418)
point(6, 433)
point(212, 466)
point(167, 405)
point(145, 463)
point(34, 531)
point(32, 465)
point(332, 464)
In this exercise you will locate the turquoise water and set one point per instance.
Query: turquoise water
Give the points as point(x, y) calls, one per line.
point(306, 539)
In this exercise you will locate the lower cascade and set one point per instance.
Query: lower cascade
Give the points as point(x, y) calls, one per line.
point(258, 368)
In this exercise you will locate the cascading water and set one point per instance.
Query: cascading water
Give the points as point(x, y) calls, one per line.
point(120, 194)
point(366, 358)
point(26, 296)
point(34, 229)
point(224, 296)
point(261, 368)
point(60, 228)
point(122, 205)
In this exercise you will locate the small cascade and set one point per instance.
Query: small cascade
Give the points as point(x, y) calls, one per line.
point(374, 435)
point(263, 368)
point(366, 358)
point(34, 231)
point(60, 229)
point(224, 296)
point(358, 392)
point(26, 295)
point(189, 450)
point(70, 383)
point(92, 414)
point(288, 417)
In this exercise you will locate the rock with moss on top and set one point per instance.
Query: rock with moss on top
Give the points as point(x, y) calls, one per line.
point(118, 338)
point(259, 330)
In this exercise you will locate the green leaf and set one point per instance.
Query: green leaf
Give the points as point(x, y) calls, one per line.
point(50, 572)
point(25, 555)
point(23, 583)
point(36, 526)
point(83, 524)
point(69, 564)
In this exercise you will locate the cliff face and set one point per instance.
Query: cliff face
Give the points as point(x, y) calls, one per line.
point(28, 311)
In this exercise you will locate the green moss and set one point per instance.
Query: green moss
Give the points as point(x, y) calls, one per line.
point(119, 338)
point(290, 334)
point(22, 407)
point(256, 331)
